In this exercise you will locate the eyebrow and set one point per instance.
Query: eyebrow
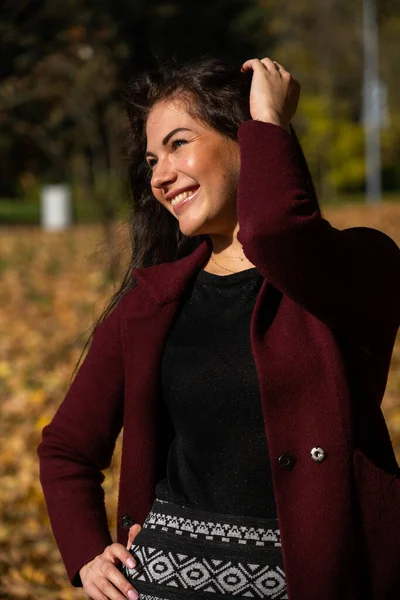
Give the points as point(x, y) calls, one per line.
point(168, 137)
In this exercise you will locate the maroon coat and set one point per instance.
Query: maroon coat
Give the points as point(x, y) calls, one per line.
point(322, 334)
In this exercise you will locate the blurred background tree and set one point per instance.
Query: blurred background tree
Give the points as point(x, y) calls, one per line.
point(320, 42)
point(61, 112)
point(60, 104)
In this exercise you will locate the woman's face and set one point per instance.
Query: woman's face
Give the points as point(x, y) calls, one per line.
point(195, 165)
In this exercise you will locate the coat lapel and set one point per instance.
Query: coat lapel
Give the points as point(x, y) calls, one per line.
point(147, 433)
point(167, 281)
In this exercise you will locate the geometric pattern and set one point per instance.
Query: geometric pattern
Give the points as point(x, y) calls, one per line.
point(201, 574)
point(212, 530)
point(149, 597)
point(187, 554)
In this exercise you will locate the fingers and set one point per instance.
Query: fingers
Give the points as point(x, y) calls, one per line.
point(102, 579)
point(278, 67)
point(117, 551)
point(273, 67)
point(274, 94)
point(257, 64)
point(281, 69)
point(102, 589)
point(270, 65)
point(133, 531)
point(252, 64)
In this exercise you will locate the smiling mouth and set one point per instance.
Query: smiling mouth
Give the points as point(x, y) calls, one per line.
point(179, 205)
point(183, 196)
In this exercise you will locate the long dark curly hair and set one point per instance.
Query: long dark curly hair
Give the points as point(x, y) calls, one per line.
point(214, 92)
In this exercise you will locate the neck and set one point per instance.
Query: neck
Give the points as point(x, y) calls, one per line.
point(225, 246)
point(228, 255)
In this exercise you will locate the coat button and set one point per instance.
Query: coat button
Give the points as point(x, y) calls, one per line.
point(286, 461)
point(318, 454)
point(127, 522)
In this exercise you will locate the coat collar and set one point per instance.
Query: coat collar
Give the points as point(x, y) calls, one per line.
point(166, 281)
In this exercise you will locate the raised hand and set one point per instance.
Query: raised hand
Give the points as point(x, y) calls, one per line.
point(274, 93)
point(101, 578)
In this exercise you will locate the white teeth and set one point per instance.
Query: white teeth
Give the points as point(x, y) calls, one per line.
point(181, 197)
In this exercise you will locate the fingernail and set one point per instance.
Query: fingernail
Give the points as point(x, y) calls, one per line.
point(130, 563)
point(133, 595)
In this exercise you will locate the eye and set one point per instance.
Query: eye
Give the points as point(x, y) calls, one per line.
point(178, 143)
point(151, 163)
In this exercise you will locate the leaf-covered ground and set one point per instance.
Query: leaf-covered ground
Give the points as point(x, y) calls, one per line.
point(52, 285)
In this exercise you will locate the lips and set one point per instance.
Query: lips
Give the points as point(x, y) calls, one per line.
point(184, 190)
point(180, 206)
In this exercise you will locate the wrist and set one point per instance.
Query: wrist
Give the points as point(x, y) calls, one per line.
point(82, 570)
point(275, 119)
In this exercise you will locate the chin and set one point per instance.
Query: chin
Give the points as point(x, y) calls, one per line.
point(190, 232)
point(191, 229)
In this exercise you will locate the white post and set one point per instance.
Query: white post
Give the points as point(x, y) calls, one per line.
point(55, 207)
point(372, 108)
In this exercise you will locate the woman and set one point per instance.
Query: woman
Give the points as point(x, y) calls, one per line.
point(246, 357)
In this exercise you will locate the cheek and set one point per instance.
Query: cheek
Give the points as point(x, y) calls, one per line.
point(191, 164)
point(202, 162)
point(229, 170)
point(206, 168)
point(158, 195)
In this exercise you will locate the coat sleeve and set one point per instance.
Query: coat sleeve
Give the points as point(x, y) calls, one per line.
point(78, 444)
point(348, 279)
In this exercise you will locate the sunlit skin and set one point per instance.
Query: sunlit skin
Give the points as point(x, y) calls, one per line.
point(184, 153)
point(196, 157)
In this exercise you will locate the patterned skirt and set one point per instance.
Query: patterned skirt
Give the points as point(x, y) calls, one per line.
point(187, 554)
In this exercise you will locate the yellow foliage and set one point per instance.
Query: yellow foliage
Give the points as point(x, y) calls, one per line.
point(395, 421)
point(5, 369)
point(31, 574)
point(43, 319)
point(42, 422)
point(37, 397)
point(336, 144)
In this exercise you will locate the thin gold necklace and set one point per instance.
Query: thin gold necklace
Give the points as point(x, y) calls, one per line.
point(218, 265)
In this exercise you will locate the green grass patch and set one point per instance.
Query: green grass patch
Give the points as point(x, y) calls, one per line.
point(22, 212)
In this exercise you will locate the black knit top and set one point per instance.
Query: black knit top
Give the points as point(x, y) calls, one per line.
point(218, 460)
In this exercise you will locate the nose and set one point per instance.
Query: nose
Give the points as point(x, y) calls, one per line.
point(163, 173)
